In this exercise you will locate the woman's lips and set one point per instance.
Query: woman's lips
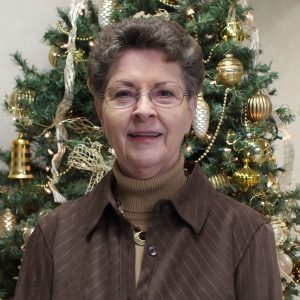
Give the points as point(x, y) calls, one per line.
point(144, 136)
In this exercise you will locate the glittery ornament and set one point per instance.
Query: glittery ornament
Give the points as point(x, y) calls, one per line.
point(78, 56)
point(233, 31)
point(219, 181)
point(229, 70)
point(285, 263)
point(53, 55)
point(201, 119)
point(105, 10)
point(259, 107)
point(259, 150)
point(18, 103)
point(280, 229)
point(245, 177)
point(7, 222)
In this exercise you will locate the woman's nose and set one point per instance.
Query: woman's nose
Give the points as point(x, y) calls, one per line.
point(144, 108)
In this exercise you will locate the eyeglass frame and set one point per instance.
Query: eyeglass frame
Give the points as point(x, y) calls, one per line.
point(137, 95)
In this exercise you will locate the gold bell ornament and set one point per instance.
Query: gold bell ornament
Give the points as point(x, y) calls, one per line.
point(260, 150)
point(229, 70)
point(245, 177)
point(259, 107)
point(201, 119)
point(233, 31)
point(105, 10)
point(20, 159)
point(7, 222)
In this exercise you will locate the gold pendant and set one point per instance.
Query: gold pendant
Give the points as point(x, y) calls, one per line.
point(137, 238)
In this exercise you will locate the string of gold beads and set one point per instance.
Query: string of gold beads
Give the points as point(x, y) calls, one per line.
point(83, 39)
point(217, 129)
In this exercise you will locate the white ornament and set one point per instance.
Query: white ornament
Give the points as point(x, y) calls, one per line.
point(285, 264)
point(105, 10)
point(201, 119)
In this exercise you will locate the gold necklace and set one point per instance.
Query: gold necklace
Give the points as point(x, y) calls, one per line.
point(139, 235)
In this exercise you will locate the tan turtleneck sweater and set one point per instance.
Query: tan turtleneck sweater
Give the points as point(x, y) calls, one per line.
point(138, 197)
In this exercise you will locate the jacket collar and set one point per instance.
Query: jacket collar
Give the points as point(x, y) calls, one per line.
point(192, 201)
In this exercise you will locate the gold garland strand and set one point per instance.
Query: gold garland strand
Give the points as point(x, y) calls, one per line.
point(168, 3)
point(83, 39)
point(211, 53)
point(47, 185)
point(217, 129)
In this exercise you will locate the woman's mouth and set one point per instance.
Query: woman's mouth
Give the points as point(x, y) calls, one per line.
point(145, 136)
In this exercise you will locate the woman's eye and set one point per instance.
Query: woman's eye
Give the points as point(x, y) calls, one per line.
point(164, 93)
point(124, 94)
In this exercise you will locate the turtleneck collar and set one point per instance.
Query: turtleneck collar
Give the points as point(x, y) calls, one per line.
point(140, 195)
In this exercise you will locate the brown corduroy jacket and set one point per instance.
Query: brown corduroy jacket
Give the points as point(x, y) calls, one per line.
point(200, 245)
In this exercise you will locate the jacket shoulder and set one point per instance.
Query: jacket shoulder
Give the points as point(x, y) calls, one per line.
point(241, 221)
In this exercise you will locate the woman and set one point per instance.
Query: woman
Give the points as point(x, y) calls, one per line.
point(149, 230)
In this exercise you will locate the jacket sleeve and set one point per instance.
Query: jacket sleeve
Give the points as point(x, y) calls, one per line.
point(257, 275)
point(35, 277)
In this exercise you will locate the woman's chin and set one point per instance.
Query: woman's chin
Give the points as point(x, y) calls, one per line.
point(146, 164)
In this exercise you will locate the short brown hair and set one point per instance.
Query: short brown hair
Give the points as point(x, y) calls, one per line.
point(148, 33)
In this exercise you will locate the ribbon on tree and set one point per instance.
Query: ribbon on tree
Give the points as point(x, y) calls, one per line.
point(91, 159)
point(63, 107)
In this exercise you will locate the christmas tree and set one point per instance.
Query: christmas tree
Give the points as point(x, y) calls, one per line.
point(61, 152)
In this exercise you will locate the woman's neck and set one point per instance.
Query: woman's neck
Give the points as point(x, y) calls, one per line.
point(140, 195)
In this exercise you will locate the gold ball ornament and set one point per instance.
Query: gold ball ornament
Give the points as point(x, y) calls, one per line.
point(280, 229)
point(285, 263)
point(201, 119)
point(53, 55)
point(219, 181)
point(245, 177)
point(7, 222)
point(229, 70)
point(260, 150)
point(233, 31)
point(259, 107)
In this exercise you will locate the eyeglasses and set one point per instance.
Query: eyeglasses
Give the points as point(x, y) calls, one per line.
point(167, 95)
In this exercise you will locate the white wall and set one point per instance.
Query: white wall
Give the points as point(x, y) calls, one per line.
point(279, 24)
point(23, 24)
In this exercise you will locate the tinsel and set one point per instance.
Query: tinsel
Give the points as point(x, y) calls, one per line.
point(66, 103)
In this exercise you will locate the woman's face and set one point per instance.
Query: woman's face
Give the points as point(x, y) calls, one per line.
point(146, 138)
